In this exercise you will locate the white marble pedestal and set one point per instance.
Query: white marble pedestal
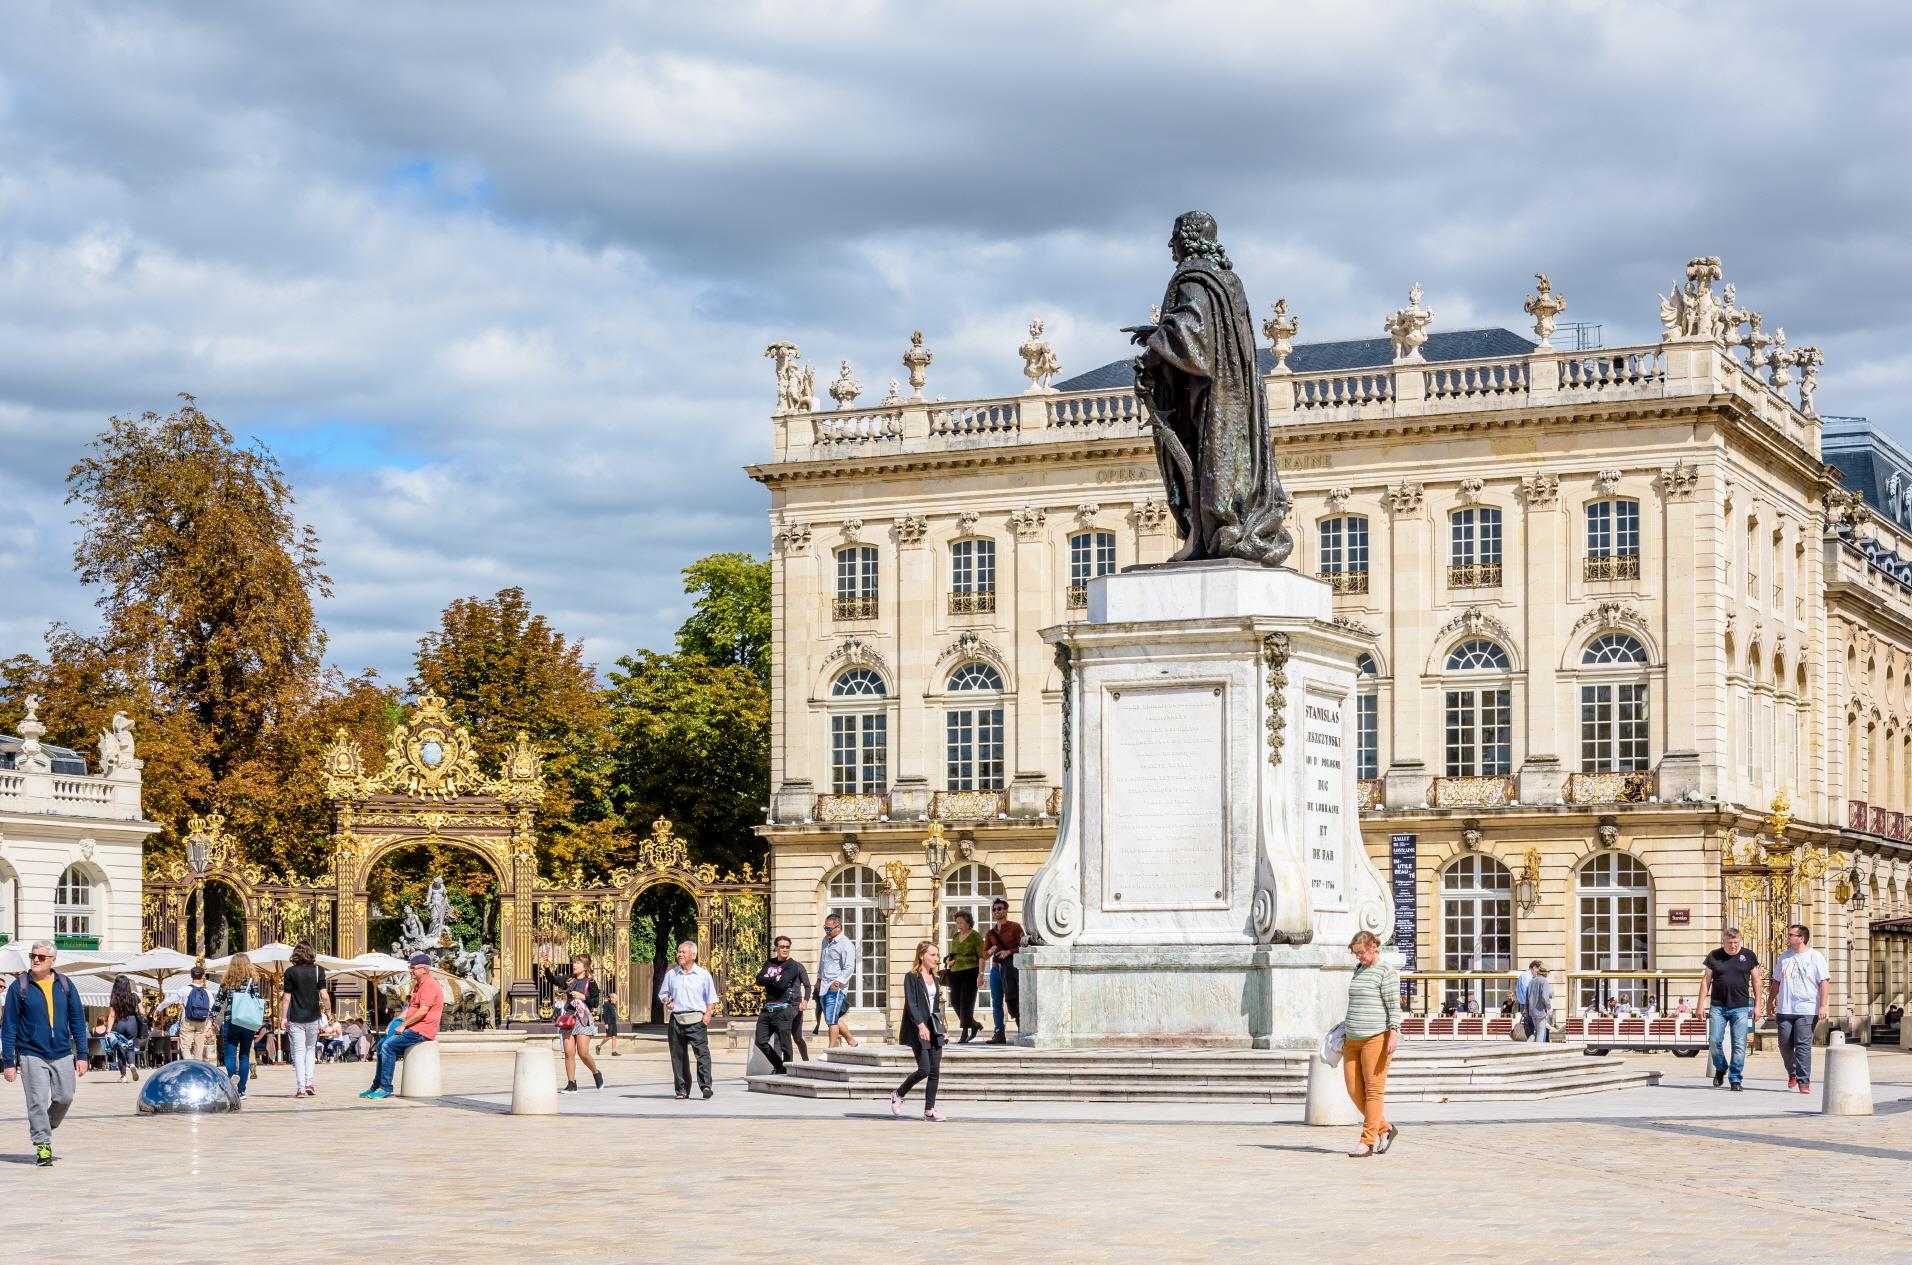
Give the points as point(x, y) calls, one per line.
point(1208, 868)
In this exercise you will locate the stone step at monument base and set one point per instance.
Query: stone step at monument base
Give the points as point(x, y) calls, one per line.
point(1484, 1073)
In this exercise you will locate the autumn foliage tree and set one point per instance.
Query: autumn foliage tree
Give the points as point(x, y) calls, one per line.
point(207, 635)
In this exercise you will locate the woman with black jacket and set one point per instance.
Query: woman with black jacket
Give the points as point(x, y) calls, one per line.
point(922, 1029)
point(578, 1002)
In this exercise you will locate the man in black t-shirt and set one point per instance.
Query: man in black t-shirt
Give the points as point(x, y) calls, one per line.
point(785, 984)
point(1729, 1002)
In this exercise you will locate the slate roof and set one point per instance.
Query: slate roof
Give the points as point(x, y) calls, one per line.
point(1867, 460)
point(65, 761)
point(1353, 353)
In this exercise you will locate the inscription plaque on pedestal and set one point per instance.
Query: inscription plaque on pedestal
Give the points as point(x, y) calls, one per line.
point(1166, 826)
point(1324, 782)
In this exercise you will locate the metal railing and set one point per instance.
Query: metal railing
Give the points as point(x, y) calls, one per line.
point(1473, 575)
point(855, 607)
point(1077, 597)
point(1347, 581)
point(973, 603)
point(1491, 791)
point(1634, 787)
point(1617, 566)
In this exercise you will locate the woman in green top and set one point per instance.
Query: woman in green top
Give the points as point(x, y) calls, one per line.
point(1373, 1032)
point(965, 973)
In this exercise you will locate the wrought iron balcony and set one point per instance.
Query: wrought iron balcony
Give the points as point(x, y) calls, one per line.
point(1490, 791)
point(1617, 566)
point(1078, 597)
point(1347, 581)
point(968, 805)
point(856, 607)
point(1618, 787)
point(835, 808)
point(977, 603)
point(1473, 575)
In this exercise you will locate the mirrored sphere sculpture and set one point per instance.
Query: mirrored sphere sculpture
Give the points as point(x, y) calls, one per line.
point(187, 1086)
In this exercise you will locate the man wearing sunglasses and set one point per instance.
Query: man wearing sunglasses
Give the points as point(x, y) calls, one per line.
point(43, 1043)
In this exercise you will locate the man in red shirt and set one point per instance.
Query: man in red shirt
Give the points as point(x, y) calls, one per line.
point(418, 1023)
point(1002, 943)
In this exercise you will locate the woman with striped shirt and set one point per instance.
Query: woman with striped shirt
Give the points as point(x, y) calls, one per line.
point(1373, 1031)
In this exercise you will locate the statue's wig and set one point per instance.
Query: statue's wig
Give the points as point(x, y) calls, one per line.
point(1195, 230)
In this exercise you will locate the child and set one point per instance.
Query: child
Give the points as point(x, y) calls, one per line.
point(608, 1017)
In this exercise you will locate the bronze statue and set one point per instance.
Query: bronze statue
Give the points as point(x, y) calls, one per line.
point(1200, 381)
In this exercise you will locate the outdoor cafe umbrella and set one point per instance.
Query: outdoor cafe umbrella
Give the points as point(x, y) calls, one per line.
point(153, 966)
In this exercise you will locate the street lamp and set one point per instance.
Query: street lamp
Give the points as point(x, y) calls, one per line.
point(936, 852)
point(894, 897)
point(1527, 886)
point(200, 836)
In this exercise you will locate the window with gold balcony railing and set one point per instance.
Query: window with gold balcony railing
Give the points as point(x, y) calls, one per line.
point(1618, 566)
point(863, 607)
point(1078, 597)
point(1347, 581)
point(1473, 575)
point(1618, 787)
point(972, 603)
point(1491, 791)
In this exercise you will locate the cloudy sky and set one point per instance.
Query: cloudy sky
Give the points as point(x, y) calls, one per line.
point(494, 280)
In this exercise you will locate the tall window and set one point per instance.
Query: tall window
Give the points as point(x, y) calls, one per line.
point(1479, 721)
point(859, 741)
point(1613, 540)
point(1615, 912)
point(1091, 553)
point(974, 731)
point(1477, 928)
point(972, 576)
point(971, 889)
point(852, 896)
point(1613, 714)
point(1474, 549)
point(1344, 553)
point(73, 904)
point(856, 582)
point(1367, 720)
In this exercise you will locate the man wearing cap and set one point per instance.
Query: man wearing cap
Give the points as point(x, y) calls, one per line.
point(418, 1023)
point(1537, 1004)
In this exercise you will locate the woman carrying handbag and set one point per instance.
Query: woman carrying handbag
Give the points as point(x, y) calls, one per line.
point(239, 1014)
point(922, 1029)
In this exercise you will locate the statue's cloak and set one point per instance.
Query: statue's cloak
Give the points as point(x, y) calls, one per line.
point(1201, 378)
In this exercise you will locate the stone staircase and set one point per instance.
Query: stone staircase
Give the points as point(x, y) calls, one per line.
point(1502, 1071)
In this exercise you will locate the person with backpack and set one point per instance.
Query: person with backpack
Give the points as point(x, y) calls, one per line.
point(43, 1044)
point(239, 1012)
point(195, 1015)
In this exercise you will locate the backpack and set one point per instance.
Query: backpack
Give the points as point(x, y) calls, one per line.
point(198, 1004)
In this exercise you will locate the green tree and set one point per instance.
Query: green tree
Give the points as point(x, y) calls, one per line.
point(692, 743)
point(730, 618)
point(502, 668)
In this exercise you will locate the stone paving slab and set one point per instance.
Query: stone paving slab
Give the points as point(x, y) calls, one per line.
point(1682, 1172)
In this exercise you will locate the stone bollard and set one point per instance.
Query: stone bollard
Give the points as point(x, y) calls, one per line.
point(418, 1072)
point(1328, 1101)
point(534, 1083)
point(1847, 1087)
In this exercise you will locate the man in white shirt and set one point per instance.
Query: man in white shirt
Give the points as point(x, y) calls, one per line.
point(836, 972)
point(1797, 996)
point(689, 995)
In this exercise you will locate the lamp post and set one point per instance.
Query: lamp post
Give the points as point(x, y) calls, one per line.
point(201, 832)
point(1772, 870)
point(936, 852)
point(1527, 886)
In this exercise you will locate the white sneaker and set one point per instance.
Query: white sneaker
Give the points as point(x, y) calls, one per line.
point(896, 1105)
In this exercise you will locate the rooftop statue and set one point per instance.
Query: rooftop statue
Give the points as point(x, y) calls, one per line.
point(1200, 380)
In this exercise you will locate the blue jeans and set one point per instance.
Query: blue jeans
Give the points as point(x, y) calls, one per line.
point(390, 1051)
point(1003, 989)
point(1795, 1045)
point(238, 1045)
point(1717, 1019)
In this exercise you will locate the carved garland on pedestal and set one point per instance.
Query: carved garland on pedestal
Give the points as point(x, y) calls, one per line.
point(1274, 653)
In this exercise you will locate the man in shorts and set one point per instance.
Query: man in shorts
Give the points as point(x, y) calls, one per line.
point(836, 972)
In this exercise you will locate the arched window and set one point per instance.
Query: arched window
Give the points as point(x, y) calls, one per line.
point(1367, 720)
point(1615, 926)
point(859, 740)
point(1344, 553)
point(1473, 560)
point(974, 732)
point(1477, 655)
point(1613, 540)
point(1614, 734)
point(856, 582)
point(852, 897)
point(1477, 928)
point(972, 577)
point(1613, 648)
point(1091, 553)
point(1480, 722)
point(73, 912)
point(857, 682)
point(971, 888)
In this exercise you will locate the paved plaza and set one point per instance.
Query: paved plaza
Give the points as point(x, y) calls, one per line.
point(1680, 1172)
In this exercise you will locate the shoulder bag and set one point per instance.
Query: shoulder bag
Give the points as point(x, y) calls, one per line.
point(247, 1011)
